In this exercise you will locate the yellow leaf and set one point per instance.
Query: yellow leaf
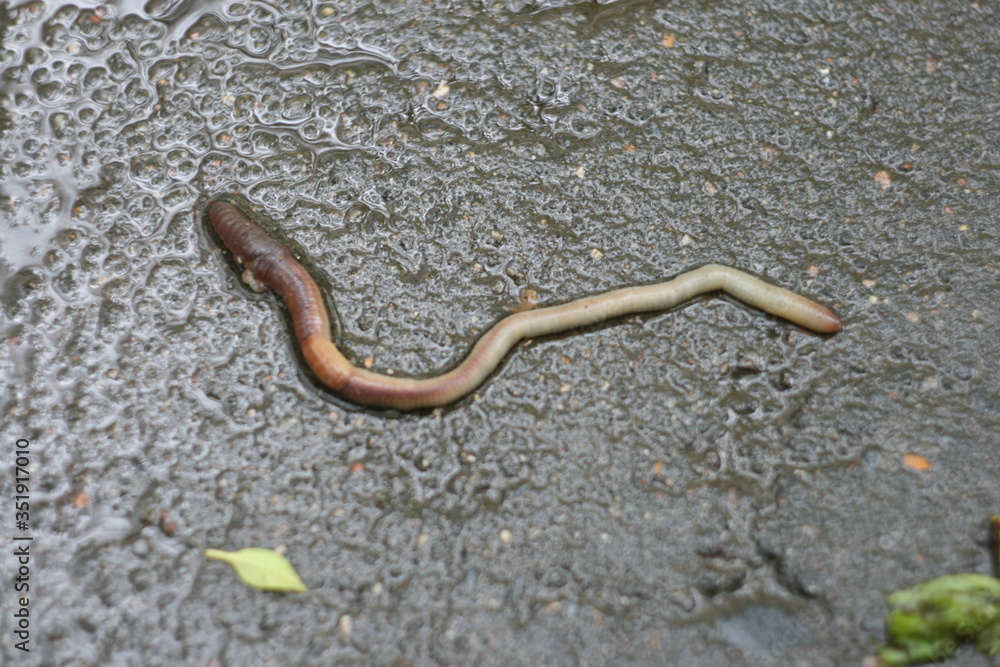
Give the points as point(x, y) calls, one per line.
point(261, 568)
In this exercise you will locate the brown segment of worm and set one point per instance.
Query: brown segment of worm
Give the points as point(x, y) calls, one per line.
point(268, 263)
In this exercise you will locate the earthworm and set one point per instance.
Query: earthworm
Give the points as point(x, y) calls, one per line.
point(268, 263)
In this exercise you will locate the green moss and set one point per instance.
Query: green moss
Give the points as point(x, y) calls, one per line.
point(930, 620)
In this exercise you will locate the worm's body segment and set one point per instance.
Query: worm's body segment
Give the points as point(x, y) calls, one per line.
point(268, 263)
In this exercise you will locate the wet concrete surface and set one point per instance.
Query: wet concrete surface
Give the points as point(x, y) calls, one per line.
point(701, 487)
